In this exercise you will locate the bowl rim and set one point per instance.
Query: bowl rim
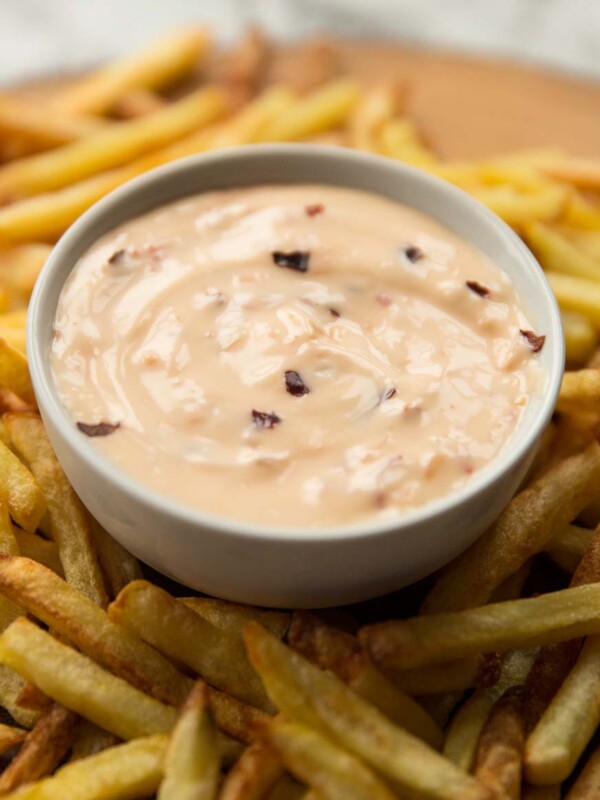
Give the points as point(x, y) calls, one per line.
point(514, 451)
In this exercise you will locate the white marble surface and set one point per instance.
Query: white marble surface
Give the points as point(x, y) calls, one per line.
point(41, 35)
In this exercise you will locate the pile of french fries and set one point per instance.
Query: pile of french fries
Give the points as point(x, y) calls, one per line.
point(113, 688)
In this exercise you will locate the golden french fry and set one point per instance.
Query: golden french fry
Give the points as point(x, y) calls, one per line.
point(79, 684)
point(111, 146)
point(118, 566)
point(567, 547)
point(24, 496)
point(577, 294)
point(19, 268)
point(158, 64)
point(580, 391)
point(583, 172)
point(377, 106)
point(32, 546)
point(522, 530)
point(580, 213)
point(192, 764)
point(128, 770)
point(89, 739)
point(499, 753)
point(14, 374)
point(586, 240)
point(14, 337)
point(253, 776)
point(236, 719)
point(556, 253)
point(588, 780)
point(43, 750)
point(435, 639)
point(174, 629)
point(399, 139)
point(317, 761)
point(68, 519)
point(326, 107)
point(138, 103)
point(468, 722)
point(341, 653)
point(250, 123)
point(581, 338)
point(454, 677)
point(11, 690)
point(10, 736)
point(520, 208)
point(232, 617)
point(306, 694)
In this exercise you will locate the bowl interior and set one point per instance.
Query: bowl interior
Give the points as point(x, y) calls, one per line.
point(308, 164)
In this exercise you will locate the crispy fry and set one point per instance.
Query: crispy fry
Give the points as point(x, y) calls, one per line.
point(14, 374)
point(341, 653)
point(468, 722)
point(521, 531)
point(232, 617)
point(89, 739)
point(580, 391)
point(24, 496)
point(567, 547)
point(434, 639)
point(499, 752)
point(68, 519)
point(238, 720)
point(118, 566)
point(129, 770)
point(43, 551)
point(160, 63)
point(79, 684)
point(581, 338)
point(306, 694)
point(111, 146)
point(326, 107)
point(192, 768)
point(70, 613)
point(185, 636)
point(11, 688)
point(10, 736)
point(253, 776)
point(43, 750)
point(577, 294)
point(318, 761)
point(556, 253)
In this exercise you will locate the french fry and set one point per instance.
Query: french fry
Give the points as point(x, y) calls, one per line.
point(14, 374)
point(11, 689)
point(73, 680)
point(236, 719)
point(10, 736)
point(581, 338)
point(157, 65)
point(118, 566)
point(307, 695)
point(341, 653)
point(68, 519)
point(588, 780)
point(128, 770)
point(43, 750)
point(111, 146)
point(174, 629)
point(434, 639)
point(24, 496)
point(556, 253)
point(378, 105)
point(567, 547)
point(583, 172)
point(580, 213)
point(138, 103)
point(521, 208)
point(89, 739)
point(232, 617)
point(580, 391)
point(319, 762)
point(577, 294)
point(522, 530)
point(70, 613)
point(399, 139)
point(241, 70)
point(454, 677)
point(192, 764)
point(326, 107)
point(29, 122)
point(468, 722)
point(499, 751)
point(32, 546)
point(253, 776)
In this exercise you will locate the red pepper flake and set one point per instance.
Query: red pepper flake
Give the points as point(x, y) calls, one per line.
point(478, 288)
point(117, 256)
point(265, 419)
point(294, 383)
point(295, 259)
point(536, 342)
point(413, 253)
point(314, 209)
point(98, 429)
point(334, 312)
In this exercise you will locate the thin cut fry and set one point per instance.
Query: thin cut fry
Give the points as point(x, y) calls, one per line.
point(580, 391)
point(232, 617)
point(14, 374)
point(43, 551)
point(89, 739)
point(68, 519)
point(378, 105)
point(118, 566)
point(43, 750)
point(434, 639)
point(581, 338)
point(584, 172)
point(521, 531)
point(238, 720)
point(253, 776)
point(180, 633)
point(192, 766)
point(70, 613)
point(306, 694)
point(568, 546)
point(577, 294)
point(10, 736)
point(111, 146)
point(138, 103)
point(556, 253)
point(129, 770)
point(81, 685)
point(158, 64)
point(520, 208)
point(317, 761)
point(500, 748)
point(11, 689)
point(24, 496)
point(30, 123)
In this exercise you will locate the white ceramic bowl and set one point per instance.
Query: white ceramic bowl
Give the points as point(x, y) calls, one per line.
point(261, 564)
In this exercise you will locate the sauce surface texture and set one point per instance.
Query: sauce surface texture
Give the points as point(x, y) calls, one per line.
point(302, 356)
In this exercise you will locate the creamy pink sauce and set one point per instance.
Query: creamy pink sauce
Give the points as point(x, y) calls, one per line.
point(298, 356)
